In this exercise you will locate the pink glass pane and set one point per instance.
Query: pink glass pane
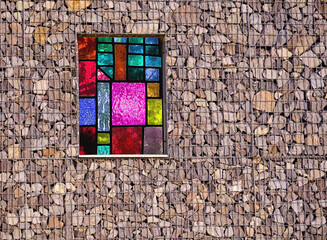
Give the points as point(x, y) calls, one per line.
point(102, 76)
point(128, 103)
point(87, 79)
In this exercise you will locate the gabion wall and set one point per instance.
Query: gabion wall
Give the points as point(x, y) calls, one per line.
point(246, 107)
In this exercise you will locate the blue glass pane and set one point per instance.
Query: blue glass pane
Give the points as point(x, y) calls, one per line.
point(103, 107)
point(120, 40)
point(135, 49)
point(109, 71)
point(105, 59)
point(151, 40)
point(152, 74)
point(87, 111)
point(151, 61)
point(103, 150)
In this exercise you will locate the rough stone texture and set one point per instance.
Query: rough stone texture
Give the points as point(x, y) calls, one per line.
point(246, 100)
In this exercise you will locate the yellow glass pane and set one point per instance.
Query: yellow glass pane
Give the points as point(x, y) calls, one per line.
point(153, 90)
point(103, 138)
point(154, 111)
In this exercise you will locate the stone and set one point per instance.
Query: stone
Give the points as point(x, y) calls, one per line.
point(256, 21)
point(318, 222)
point(215, 231)
point(77, 5)
point(12, 219)
point(297, 206)
point(199, 227)
point(264, 101)
point(59, 188)
point(316, 81)
point(261, 130)
point(312, 140)
point(41, 34)
point(284, 53)
point(185, 15)
point(109, 180)
point(188, 97)
point(277, 184)
point(145, 27)
point(54, 222)
point(23, 5)
point(41, 86)
point(310, 59)
point(14, 151)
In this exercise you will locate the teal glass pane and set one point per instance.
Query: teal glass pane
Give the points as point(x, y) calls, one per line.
point(151, 61)
point(135, 74)
point(105, 59)
point(105, 39)
point(105, 47)
point(136, 40)
point(108, 70)
point(120, 40)
point(152, 50)
point(103, 150)
point(135, 60)
point(135, 48)
point(151, 40)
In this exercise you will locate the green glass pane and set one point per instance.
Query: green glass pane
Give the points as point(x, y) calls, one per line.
point(153, 50)
point(136, 40)
point(103, 150)
point(105, 47)
point(108, 70)
point(152, 61)
point(105, 59)
point(105, 39)
point(103, 138)
point(154, 111)
point(135, 74)
point(135, 60)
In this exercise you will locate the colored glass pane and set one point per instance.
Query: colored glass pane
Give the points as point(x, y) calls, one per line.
point(135, 48)
point(128, 103)
point(153, 140)
point(108, 70)
point(152, 61)
point(102, 76)
point(136, 40)
point(154, 111)
point(151, 40)
point(86, 48)
point(152, 74)
point(127, 140)
point(103, 106)
point(152, 50)
point(105, 39)
point(135, 74)
point(135, 60)
point(103, 138)
point(86, 78)
point(153, 90)
point(105, 47)
point(120, 40)
point(87, 144)
point(105, 59)
point(120, 62)
point(87, 110)
point(103, 150)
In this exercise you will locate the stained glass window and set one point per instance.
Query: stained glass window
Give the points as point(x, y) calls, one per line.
point(121, 97)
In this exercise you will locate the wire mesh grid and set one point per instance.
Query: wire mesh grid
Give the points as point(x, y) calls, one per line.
point(246, 123)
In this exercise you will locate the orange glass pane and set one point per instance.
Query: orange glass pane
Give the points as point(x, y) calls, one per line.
point(86, 48)
point(153, 90)
point(120, 62)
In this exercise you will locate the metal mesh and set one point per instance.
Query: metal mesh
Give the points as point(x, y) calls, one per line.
point(246, 113)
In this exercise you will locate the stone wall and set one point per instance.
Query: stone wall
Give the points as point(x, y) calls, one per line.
point(246, 107)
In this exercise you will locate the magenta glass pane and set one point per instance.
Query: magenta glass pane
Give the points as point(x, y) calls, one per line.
point(86, 79)
point(102, 76)
point(128, 104)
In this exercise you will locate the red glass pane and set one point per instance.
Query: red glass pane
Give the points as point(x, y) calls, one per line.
point(127, 140)
point(86, 48)
point(87, 141)
point(120, 62)
point(86, 79)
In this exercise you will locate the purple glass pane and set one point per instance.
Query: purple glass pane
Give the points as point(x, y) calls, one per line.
point(128, 104)
point(153, 140)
